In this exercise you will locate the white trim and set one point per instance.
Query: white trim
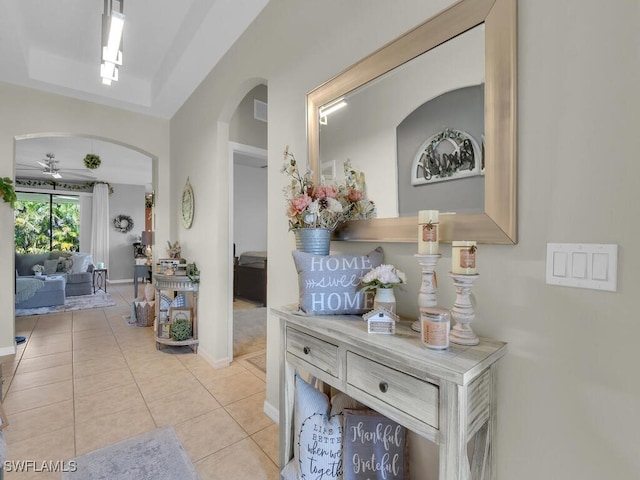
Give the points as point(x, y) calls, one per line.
point(215, 363)
point(272, 412)
point(8, 351)
point(235, 147)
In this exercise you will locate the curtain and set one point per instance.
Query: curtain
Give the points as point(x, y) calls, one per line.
point(85, 222)
point(100, 224)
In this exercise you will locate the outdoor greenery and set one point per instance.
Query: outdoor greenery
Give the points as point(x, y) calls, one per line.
point(7, 192)
point(33, 227)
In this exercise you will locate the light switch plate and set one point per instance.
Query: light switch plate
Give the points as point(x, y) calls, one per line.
point(583, 265)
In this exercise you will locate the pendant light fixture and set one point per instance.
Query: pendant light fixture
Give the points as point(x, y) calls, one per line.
point(112, 27)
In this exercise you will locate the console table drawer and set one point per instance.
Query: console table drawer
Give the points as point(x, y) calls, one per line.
point(319, 353)
point(397, 389)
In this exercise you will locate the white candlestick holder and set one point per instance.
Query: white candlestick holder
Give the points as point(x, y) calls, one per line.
point(462, 311)
point(429, 285)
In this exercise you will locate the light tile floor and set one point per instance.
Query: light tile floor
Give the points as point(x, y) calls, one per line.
point(86, 379)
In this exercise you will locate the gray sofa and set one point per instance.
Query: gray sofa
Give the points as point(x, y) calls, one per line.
point(34, 292)
point(80, 283)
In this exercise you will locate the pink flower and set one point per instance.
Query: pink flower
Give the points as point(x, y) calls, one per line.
point(299, 204)
point(355, 195)
point(325, 191)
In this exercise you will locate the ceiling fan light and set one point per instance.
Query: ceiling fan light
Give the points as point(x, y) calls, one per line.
point(56, 175)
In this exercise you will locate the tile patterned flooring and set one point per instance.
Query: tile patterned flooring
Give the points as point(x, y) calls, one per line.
point(86, 379)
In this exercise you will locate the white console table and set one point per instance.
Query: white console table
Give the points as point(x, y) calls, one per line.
point(445, 396)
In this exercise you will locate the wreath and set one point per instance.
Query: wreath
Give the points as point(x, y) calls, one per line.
point(92, 161)
point(123, 223)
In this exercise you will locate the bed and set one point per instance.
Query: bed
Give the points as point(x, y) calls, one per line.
point(250, 277)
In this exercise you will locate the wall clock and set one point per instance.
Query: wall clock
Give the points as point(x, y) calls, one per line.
point(187, 205)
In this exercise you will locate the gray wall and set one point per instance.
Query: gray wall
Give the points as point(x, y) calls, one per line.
point(125, 200)
point(243, 127)
point(249, 208)
point(460, 109)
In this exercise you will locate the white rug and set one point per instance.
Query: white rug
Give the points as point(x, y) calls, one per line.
point(80, 302)
point(155, 455)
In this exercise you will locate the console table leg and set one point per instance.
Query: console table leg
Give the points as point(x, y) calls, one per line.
point(454, 462)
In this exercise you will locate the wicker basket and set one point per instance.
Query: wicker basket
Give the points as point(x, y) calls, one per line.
point(145, 313)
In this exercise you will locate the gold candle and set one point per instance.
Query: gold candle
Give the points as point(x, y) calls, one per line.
point(463, 257)
point(428, 235)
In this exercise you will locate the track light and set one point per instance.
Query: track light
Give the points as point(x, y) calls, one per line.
point(112, 28)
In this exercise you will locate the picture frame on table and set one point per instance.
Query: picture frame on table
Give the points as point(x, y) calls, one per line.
point(182, 313)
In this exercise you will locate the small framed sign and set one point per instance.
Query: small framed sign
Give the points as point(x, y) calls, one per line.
point(375, 447)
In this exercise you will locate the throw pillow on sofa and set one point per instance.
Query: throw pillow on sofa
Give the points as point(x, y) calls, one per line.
point(50, 266)
point(65, 265)
point(81, 262)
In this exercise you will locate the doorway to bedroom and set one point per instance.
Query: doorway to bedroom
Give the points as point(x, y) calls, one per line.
point(249, 213)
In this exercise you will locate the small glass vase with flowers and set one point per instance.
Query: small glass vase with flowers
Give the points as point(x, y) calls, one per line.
point(383, 279)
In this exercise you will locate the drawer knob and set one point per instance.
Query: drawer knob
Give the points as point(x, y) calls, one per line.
point(306, 350)
point(384, 386)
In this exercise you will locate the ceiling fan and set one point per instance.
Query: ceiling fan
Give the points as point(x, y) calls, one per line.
point(49, 166)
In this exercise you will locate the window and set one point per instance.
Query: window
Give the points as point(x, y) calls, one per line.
point(46, 222)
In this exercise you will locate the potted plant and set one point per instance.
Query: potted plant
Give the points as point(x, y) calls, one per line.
point(193, 273)
point(92, 161)
point(7, 191)
point(315, 210)
point(38, 269)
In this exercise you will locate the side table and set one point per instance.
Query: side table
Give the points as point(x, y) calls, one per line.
point(100, 279)
point(143, 271)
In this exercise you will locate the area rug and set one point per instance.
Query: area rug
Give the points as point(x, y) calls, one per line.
point(155, 455)
point(80, 302)
point(259, 361)
point(249, 331)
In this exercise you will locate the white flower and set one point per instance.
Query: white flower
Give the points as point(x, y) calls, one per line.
point(333, 205)
point(385, 276)
point(314, 207)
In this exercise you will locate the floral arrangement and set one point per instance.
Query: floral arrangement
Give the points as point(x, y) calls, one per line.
point(37, 268)
point(324, 206)
point(384, 276)
point(92, 161)
point(174, 250)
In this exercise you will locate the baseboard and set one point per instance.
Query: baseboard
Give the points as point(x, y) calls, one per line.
point(11, 350)
point(122, 280)
point(272, 412)
point(211, 360)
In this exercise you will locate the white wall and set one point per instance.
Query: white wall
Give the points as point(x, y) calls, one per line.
point(249, 208)
point(24, 111)
point(568, 387)
point(125, 200)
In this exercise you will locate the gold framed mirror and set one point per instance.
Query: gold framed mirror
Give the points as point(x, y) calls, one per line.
point(498, 223)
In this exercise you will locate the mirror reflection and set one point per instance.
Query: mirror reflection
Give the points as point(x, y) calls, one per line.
point(430, 111)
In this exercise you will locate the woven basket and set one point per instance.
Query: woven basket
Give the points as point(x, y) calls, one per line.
point(145, 313)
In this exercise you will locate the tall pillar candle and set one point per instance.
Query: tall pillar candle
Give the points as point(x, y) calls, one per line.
point(463, 257)
point(428, 235)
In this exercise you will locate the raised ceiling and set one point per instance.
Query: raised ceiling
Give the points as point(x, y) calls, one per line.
point(169, 47)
